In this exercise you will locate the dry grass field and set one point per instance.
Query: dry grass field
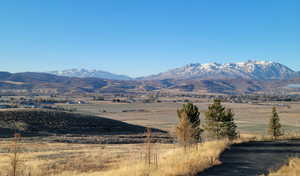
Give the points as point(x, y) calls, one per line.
point(56, 158)
point(61, 159)
point(250, 118)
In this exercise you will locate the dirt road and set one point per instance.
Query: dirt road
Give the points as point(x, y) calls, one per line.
point(254, 158)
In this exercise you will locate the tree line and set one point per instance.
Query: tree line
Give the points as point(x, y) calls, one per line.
point(218, 124)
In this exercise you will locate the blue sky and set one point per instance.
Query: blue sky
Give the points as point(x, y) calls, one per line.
point(142, 37)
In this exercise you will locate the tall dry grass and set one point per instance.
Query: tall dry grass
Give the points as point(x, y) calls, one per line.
point(62, 159)
point(149, 159)
point(176, 162)
point(45, 159)
point(292, 169)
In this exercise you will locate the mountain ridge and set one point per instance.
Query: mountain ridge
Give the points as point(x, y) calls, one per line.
point(29, 83)
point(258, 70)
point(86, 73)
point(251, 69)
point(229, 78)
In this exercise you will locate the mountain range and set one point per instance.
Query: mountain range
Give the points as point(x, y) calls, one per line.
point(257, 70)
point(230, 78)
point(85, 73)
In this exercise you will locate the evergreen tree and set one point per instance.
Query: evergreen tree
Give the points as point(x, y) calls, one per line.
point(219, 122)
point(191, 112)
point(184, 131)
point(274, 125)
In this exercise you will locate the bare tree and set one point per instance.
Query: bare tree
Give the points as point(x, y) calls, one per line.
point(15, 161)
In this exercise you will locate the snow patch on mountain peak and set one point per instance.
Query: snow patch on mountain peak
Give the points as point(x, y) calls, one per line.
point(250, 69)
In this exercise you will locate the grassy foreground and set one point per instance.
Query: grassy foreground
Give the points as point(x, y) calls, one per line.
point(175, 162)
point(292, 169)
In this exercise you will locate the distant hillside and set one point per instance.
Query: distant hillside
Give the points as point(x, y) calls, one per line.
point(40, 122)
point(38, 81)
point(257, 70)
point(44, 83)
point(84, 73)
point(30, 83)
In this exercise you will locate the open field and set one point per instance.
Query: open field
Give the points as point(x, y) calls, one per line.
point(87, 155)
point(61, 159)
point(55, 158)
point(250, 118)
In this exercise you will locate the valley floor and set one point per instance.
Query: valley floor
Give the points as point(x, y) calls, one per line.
point(250, 118)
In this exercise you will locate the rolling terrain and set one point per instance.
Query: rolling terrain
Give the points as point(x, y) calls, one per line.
point(232, 78)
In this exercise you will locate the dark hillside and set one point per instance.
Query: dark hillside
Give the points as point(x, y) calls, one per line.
point(41, 122)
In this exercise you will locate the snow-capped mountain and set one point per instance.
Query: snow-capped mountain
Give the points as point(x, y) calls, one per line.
point(260, 70)
point(85, 73)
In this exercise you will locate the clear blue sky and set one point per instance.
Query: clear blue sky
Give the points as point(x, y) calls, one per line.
point(141, 37)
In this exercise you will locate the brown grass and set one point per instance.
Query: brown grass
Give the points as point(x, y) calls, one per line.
point(58, 159)
point(175, 162)
point(257, 137)
point(55, 159)
point(291, 169)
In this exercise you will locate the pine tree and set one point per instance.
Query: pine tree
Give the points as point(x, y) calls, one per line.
point(219, 122)
point(193, 116)
point(185, 131)
point(274, 125)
